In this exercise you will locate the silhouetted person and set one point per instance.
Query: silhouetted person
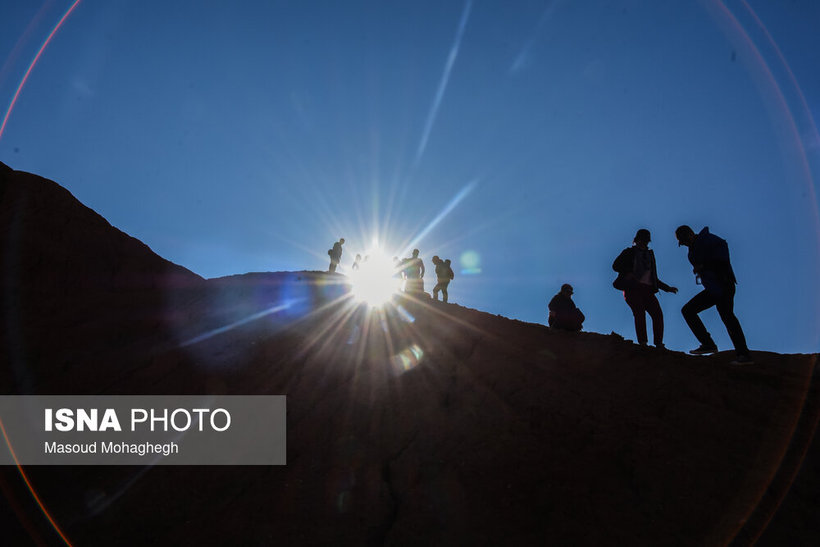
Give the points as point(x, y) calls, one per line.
point(709, 256)
point(444, 273)
point(414, 272)
point(564, 314)
point(335, 254)
point(450, 273)
point(638, 277)
point(356, 262)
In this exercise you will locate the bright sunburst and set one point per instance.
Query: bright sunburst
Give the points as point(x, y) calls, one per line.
point(375, 281)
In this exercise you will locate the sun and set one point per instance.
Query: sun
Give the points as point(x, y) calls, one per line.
point(375, 282)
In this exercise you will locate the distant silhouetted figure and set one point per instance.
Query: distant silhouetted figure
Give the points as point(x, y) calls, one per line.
point(638, 278)
point(356, 262)
point(709, 256)
point(444, 273)
point(335, 254)
point(564, 314)
point(450, 273)
point(414, 272)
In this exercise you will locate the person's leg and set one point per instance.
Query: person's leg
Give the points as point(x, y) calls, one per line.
point(701, 301)
point(444, 291)
point(635, 303)
point(653, 308)
point(726, 309)
point(577, 320)
point(436, 289)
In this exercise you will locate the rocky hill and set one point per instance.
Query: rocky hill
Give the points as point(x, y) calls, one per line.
point(422, 423)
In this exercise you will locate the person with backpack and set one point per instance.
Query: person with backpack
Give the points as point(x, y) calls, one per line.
point(709, 256)
point(335, 255)
point(450, 273)
point(638, 279)
point(444, 273)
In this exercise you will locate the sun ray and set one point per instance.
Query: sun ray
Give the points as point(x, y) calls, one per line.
point(253, 317)
point(458, 198)
point(445, 77)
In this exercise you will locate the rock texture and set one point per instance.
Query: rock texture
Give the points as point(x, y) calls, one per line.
point(425, 423)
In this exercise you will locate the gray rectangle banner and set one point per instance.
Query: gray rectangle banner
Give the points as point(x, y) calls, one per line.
point(142, 429)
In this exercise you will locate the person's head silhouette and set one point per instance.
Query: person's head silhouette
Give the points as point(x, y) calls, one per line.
point(642, 238)
point(685, 235)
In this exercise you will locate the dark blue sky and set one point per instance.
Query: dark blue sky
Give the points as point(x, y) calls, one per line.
point(248, 136)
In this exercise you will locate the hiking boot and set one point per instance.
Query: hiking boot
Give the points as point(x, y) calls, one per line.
point(743, 360)
point(704, 350)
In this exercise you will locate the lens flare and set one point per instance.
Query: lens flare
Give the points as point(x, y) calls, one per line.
point(409, 358)
point(470, 263)
point(374, 282)
point(31, 66)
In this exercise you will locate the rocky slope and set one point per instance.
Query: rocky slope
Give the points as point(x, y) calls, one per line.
point(424, 423)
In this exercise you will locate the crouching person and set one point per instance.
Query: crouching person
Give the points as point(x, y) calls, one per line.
point(564, 314)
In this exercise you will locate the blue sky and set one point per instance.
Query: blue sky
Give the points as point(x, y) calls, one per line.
point(535, 136)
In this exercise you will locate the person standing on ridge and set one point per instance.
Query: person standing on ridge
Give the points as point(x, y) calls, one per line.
point(638, 278)
point(335, 255)
point(450, 274)
point(414, 271)
point(444, 273)
point(709, 256)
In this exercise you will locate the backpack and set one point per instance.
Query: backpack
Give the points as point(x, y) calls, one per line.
point(625, 281)
point(623, 265)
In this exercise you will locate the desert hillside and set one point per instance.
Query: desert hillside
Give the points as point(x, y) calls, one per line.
point(420, 424)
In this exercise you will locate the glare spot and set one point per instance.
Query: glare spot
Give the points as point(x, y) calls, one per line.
point(409, 358)
point(470, 263)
